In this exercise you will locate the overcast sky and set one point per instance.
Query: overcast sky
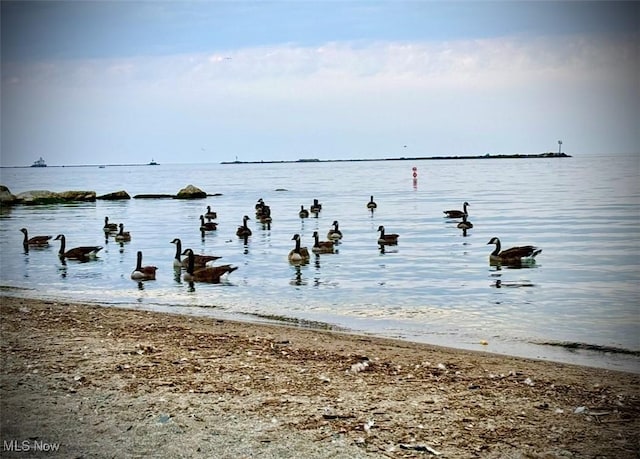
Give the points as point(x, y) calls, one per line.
point(209, 81)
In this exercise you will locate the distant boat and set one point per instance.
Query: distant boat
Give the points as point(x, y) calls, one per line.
point(39, 163)
point(153, 163)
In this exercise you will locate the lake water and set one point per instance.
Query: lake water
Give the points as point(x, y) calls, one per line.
point(579, 303)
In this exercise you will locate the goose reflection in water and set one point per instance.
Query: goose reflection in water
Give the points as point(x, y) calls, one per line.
point(499, 284)
point(36, 248)
point(317, 278)
point(298, 280)
point(514, 264)
point(63, 269)
point(384, 249)
point(245, 243)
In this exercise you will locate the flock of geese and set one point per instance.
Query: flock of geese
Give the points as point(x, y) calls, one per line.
point(197, 267)
point(513, 256)
point(301, 255)
point(200, 268)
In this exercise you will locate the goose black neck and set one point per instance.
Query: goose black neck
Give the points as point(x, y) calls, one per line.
point(178, 249)
point(191, 262)
point(62, 245)
point(139, 262)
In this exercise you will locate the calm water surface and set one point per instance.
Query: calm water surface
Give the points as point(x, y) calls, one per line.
point(436, 286)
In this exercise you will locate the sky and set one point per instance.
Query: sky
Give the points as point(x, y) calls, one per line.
point(113, 82)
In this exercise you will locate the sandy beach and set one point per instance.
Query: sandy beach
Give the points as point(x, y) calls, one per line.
point(86, 381)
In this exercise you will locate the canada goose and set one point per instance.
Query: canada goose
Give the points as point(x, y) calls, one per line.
point(464, 225)
point(260, 205)
point(316, 207)
point(387, 239)
point(265, 215)
point(207, 226)
point(334, 233)
point(200, 261)
point(78, 253)
point(35, 240)
point(207, 274)
point(371, 205)
point(210, 214)
point(298, 254)
point(304, 213)
point(109, 227)
point(457, 213)
point(143, 272)
point(512, 255)
point(123, 236)
point(243, 230)
point(321, 246)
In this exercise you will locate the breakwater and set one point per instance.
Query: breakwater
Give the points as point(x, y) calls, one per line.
point(404, 158)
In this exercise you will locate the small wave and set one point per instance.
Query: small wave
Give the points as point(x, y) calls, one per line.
point(572, 345)
point(303, 323)
point(10, 288)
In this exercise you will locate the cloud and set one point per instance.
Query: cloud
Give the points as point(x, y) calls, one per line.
point(340, 92)
point(461, 64)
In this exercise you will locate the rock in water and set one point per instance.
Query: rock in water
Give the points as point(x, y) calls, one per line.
point(191, 192)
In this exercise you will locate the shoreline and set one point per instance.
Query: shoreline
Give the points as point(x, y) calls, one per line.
point(561, 352)
point(105, 382)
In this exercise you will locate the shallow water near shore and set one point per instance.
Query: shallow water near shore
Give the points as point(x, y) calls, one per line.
point(578, 303)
